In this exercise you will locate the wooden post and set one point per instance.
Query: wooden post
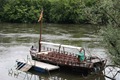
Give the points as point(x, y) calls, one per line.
point(40, 21)
point(40, 36)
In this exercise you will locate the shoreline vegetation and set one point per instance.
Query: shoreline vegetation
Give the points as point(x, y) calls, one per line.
point(55, 11)
point(99, 12)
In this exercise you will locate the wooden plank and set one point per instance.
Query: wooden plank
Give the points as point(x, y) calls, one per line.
point(26, 67)
point(45, 65)
point(38, 64)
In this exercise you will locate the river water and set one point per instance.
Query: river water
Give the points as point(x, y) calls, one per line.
point(16, 40)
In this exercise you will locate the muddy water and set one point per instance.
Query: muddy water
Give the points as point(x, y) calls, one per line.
point(16, 40)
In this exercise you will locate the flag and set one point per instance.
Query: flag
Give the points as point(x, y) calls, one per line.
point(41, 15)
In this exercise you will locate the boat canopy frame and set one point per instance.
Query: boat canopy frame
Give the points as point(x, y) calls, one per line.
point(61, 48)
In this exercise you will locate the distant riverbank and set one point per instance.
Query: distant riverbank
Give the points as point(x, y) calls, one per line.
point(55, 11)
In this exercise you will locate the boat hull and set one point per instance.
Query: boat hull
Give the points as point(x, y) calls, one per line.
point(76, 69)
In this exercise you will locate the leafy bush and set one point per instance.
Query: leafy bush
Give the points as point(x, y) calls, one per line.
point(107, 12)
point(66, 11)
point(111, 39)
point(21, 11)
point(56, 11)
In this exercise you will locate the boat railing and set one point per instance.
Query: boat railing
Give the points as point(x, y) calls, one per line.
point(49, 49)
point(57, 50)
point(62, 58)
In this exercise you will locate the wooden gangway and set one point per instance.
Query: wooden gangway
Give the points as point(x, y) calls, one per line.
point(37, 65)
point(24, 67)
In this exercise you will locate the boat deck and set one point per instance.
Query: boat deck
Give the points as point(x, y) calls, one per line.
point(38, 65)
point(58, 57)
point(62, 59)
point(67, 59)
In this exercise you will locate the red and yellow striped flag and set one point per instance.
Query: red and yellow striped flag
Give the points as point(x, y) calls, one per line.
point(41, 15)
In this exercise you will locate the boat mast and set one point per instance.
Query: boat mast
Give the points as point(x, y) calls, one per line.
point(40, 21)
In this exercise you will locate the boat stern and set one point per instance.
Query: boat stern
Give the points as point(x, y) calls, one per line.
point(98, 65)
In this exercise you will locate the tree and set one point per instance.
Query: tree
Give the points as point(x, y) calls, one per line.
point(26, 11)
point(66, 11)
point(2, 3)
point(107, 12)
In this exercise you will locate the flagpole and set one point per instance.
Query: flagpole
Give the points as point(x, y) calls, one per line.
point(40, 21)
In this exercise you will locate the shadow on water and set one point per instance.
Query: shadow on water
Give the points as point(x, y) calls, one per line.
point(58, 75)
point(16, 40)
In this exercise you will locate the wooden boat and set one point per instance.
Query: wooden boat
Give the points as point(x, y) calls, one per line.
point(67, 57)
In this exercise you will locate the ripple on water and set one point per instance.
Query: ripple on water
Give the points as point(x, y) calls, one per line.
point(16, 40)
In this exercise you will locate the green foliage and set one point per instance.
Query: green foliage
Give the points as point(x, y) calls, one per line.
point(111, 38)
point(90, 3)
point(107, 12)
point(94, 13)
point(21, 11)
point(2, 3)
point(111, 35)
point(59, 11)
point(66, 11)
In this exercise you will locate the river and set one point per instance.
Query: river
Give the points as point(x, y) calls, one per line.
point(16, 40)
